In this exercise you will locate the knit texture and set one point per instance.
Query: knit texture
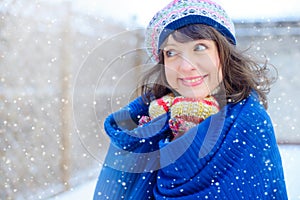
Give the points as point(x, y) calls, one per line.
point(230, 155)
point(185, 112)
point(180, 13)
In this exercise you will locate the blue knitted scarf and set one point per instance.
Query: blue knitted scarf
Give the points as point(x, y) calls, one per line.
point(230, 155)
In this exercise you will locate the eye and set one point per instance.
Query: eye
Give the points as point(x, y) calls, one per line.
point(170, 53)
point(199, 47)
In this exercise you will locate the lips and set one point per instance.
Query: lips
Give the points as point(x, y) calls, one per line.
point(192, 81)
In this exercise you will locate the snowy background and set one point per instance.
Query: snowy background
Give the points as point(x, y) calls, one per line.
point(58, 82)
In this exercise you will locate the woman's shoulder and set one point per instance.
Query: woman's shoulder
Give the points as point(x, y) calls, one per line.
point(250, 107)
point(253, 119)
point(254, 108)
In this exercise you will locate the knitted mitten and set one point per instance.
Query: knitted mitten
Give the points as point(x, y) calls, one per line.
point(157, 107)
point(187, 113)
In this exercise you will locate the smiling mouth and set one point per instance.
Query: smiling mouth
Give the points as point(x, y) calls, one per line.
point(193, 81)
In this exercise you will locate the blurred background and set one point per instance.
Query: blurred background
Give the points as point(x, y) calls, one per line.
point(57, 84)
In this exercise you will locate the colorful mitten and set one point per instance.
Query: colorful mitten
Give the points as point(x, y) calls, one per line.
point(157, 107)
point(187, 113)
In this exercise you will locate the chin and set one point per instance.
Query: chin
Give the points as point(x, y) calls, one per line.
point(195, 95)
point(200, 92)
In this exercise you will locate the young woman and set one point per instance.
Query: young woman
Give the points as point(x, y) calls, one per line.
point(200, 129)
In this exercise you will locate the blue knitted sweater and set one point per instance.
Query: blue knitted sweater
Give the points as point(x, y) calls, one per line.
point(230, 155)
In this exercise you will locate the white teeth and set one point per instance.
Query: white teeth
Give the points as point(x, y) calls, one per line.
point(193, 80)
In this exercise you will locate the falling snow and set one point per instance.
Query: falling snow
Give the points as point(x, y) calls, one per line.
point(39, 161)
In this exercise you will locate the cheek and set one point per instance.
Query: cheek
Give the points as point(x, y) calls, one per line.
point(170, 74)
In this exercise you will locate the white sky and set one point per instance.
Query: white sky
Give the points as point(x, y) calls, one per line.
point(237, 9)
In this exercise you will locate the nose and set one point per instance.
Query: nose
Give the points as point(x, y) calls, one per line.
point(187, 64)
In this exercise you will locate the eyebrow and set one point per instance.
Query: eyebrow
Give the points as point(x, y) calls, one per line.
point(171, 44)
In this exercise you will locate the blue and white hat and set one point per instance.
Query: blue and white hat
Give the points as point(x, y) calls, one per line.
point(180, 13)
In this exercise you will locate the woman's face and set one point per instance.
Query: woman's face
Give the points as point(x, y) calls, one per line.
point(192, 68)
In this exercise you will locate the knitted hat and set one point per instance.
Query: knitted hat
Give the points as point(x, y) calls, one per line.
point(180, 13)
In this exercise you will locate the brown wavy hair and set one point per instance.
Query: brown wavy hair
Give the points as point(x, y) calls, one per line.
point(241, 73)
